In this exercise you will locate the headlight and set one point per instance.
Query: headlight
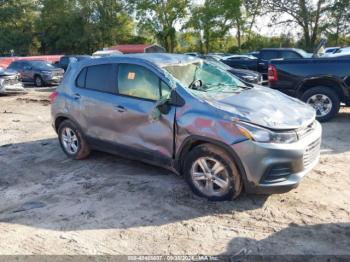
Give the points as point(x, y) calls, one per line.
point(2, 82)
point(249, 78)
point(263, 135)
point(47, 72)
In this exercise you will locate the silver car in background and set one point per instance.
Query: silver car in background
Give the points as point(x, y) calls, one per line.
point(187, 115)
point(10, 82)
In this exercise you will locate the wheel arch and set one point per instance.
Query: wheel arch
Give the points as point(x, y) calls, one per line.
point(328, 82)
point(62, 117)
point(193, 141)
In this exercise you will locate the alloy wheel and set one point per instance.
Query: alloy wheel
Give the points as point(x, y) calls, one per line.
point(70, 140)
point(210, 177)
point(321, 103)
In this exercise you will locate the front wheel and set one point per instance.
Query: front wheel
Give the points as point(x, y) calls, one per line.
point(212, 173)
point(324, 100)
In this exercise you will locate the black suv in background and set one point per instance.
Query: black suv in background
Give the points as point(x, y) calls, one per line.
point(37, 72)
point(260, 61)
point(67, 59)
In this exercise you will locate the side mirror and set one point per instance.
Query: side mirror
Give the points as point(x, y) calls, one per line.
point(164, 108)
point(164, 104)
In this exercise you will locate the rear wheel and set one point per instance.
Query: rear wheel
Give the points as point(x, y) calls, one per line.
point(212, 173)
point(72, 140)
point(325, 101)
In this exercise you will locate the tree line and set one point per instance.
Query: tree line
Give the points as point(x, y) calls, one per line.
point(84, 26)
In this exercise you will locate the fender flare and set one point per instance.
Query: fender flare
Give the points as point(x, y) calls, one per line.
point(328, 78)
point(180, 154)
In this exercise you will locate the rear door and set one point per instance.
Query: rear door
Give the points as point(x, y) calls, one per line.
point(94, 102)
point(27, 71)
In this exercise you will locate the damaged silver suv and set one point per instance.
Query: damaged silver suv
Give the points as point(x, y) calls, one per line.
point(187, 115)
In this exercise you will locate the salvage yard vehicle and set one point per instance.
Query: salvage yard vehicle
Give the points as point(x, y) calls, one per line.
point(260, 61)
point(324, 83)
point(243, 74)
point(67, 59)
point(37, 72)
point(185, 114)
point(9, 82)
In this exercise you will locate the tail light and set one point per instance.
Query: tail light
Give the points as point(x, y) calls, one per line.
point(53, 97)
point(272, 73)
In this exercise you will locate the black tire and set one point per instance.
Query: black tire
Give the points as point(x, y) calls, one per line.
point(332, 95)
point(83, 150)
point(38, 81)
point(214, 152)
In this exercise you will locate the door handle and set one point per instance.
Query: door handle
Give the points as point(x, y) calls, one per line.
point(77, 97)
point(120, 109)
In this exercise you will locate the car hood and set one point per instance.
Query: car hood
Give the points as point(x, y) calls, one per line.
point(7, 72)
point(264, 107)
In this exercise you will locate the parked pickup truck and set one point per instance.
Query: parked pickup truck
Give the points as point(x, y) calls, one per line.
point(260, 61)
point(323, 83)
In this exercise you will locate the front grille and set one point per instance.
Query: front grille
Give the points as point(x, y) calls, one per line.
point(311, 153)
point(303, 132)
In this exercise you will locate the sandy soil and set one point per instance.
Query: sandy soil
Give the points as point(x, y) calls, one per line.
point(108, 205)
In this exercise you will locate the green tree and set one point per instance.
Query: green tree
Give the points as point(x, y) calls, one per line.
point(159, 17)
point(307, 14)
point(338, 22)
point(82, 26)
point(17, 26)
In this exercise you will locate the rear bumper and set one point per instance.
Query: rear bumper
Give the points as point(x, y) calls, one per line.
point(278, 168)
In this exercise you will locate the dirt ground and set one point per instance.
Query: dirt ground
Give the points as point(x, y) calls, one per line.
point(109, 205)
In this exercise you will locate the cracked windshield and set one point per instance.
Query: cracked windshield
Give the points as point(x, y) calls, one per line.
point(205, 77)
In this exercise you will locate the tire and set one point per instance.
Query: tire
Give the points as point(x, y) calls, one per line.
point(319, 93)
point(81, 148)
point(38, 81)
point(212, 155)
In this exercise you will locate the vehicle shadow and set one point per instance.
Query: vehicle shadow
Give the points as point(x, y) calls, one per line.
point(319, 240)
point(41, 187)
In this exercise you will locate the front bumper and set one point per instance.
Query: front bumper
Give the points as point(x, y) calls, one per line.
point(10, 89)
point(52, 79)
point(278, 168)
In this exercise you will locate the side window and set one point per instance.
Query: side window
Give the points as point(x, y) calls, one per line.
point(65, 61)
point(80, 82)
point(25, 65)
point(268, 55)
point(13, 65)
point(100, 78)
point(137, 81)
point(164, 89)
point(290, 55)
